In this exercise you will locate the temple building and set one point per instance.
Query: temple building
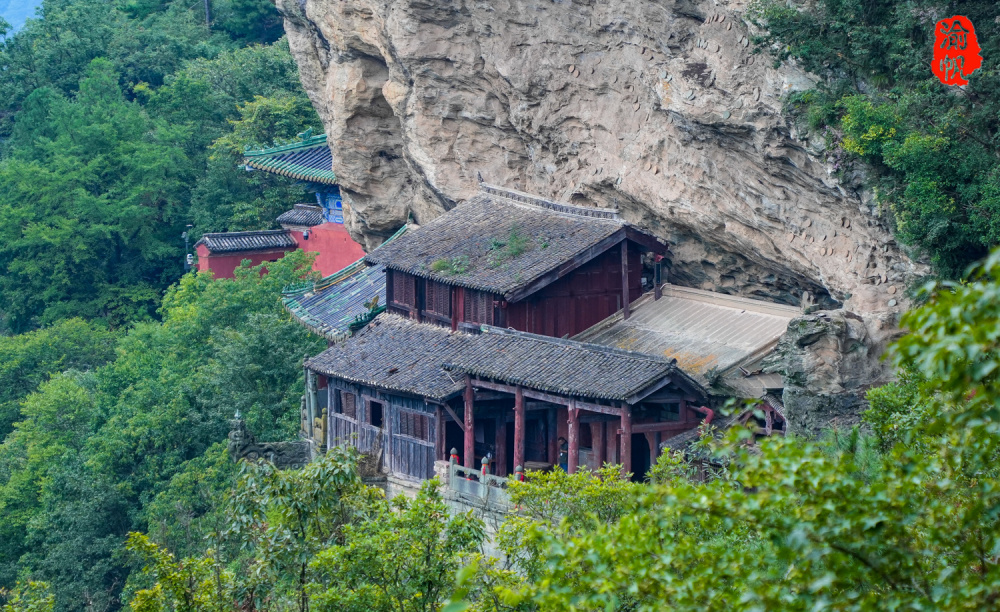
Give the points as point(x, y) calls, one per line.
point(516, 331)
point(317, 228)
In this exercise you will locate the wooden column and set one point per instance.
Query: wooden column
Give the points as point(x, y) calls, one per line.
point(597, 435)
point(440, 452)
point(573, 461)
point(625, 310)
point(501, 446)
point(553, 441)
point(652, 439)
point(519, 427)
point(658, 277)
point(626, 448)
point(469, 454)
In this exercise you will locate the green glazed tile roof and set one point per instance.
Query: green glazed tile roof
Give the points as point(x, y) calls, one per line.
point(307, 160)
point(329, 306)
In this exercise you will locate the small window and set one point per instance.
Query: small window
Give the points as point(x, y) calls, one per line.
point(478, 307)
point(404, 289)
point(414, 424)
point(438, 298)
point(348, 409)
point(375, 415)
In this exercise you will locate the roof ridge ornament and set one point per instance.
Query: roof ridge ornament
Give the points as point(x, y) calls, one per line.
point(522, 198)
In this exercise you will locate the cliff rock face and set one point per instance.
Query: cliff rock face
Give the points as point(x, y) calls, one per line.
point(827, 361)
point(660, 108)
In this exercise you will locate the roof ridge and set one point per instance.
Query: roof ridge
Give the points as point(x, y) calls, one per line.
point(245, 233)
point(309, 206)
point(522, 198)
point(567, 342)
point(302, 144)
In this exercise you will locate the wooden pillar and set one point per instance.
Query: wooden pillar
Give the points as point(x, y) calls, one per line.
point(553, 441)
point(440, 452)
point(598, 433)
point(625, 310)
point(626, 448)
point(469, 455)
point(658, 277)
point(573, 461)
point(501, 446)
point(652, 438)
point(519, 427)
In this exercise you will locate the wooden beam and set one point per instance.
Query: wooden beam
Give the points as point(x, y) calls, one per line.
point(649, 241)
point(545, 397)
point(573, 430)
point(626, 447)
point(625, 310)
point(518, 427)
point(469, 458)
point(665, 426)
point(566, 267)
point(451, 412)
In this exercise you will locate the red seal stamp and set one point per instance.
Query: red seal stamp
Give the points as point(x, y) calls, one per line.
point(956, 51)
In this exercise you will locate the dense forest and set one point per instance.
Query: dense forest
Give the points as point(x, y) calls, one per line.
point(122, 122)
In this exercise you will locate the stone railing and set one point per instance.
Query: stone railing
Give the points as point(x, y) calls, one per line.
point(478, 487)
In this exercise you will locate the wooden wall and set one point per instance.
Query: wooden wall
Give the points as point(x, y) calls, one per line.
point(583, 298)
point(409, 428)
point(568, 306)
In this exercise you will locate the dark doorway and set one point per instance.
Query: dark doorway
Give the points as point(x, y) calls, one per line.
point(454, 438)
point(375, 416)
point(640, 457)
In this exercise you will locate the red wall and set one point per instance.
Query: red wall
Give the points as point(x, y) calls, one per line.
point(222, 265)
point(584, 297)
point(333, 245)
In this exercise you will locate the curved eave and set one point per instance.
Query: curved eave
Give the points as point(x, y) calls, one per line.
point(295, 172)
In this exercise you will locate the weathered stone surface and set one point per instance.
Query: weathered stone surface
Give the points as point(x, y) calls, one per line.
point(284, 455)
point(828, 360)
point(418, 97)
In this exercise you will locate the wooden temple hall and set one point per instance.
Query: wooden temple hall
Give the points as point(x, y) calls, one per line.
point(477, 344)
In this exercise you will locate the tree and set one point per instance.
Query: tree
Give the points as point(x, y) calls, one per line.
point(401, 557)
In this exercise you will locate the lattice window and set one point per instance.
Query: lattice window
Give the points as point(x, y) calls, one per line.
point(404, 289)
point(415, 425)
point(348, 405)
point(478, 307)
point(438, 298)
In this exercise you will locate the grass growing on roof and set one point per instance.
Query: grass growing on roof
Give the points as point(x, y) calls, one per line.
point(451, 265)
point(517, 242)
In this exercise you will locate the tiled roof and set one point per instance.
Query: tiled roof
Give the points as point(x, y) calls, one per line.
point(330, 305)
point(560, 366)
point(232, 242)
point(707, 333)
point(304, 215)
point(396, 354)
point(308, 160)
point(474, 235)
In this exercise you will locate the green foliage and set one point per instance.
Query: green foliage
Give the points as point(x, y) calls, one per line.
point(30, 359)
point(107, 115)
point(30, 597)
point(452, 266)
point(930, 150)
point(403, 556)
point(517, 242)
point(123, 447)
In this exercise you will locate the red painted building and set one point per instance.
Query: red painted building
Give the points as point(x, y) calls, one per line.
point(509, 259)
point(313, 228)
